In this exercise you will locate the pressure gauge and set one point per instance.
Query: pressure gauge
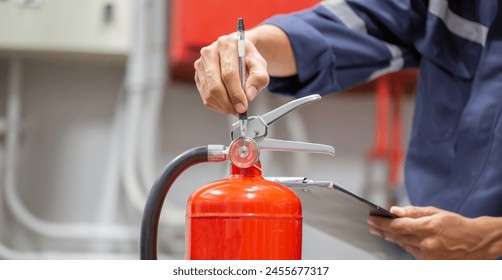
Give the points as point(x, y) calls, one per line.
point(244, 152)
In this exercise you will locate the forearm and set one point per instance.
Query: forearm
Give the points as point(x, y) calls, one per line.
point(492, 230)
point(275, 47)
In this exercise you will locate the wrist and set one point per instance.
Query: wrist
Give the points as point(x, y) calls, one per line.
point(274, 46)
point(267, 36)
point(492, 229)
point(254, 35)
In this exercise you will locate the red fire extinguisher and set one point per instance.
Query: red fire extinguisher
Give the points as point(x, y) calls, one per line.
point(243, 216)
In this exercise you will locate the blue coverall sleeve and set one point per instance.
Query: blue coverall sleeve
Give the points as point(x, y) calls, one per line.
point(338, 44)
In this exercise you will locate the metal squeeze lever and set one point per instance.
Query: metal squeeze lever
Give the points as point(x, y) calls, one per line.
point(245, 154)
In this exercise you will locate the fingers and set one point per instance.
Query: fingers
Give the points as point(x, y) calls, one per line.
point(410, 239)
point(408, 242)
point(398, 226)
point(421, 248)
point(423, 231)
point(209, 82)
point(229, 67)
point(404, 239)
point(414, 212)
point(217, 76)
point(412, 220)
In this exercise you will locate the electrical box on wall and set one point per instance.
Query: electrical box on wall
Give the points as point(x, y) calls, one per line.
point(197, 23)
point(70, 26)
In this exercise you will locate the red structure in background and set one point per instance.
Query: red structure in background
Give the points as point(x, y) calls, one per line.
point(389, 90)
point(197, 23)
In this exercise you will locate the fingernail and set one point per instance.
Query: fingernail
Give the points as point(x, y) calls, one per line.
point(252, 92)
point(370, 222)
point(240, 108)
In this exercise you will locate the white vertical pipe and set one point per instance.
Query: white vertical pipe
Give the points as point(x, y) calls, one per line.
point(74, 230)
point(145, 77)
point(156, 85)
point(13, 116)
point(135, 84)
point(109, 199)
point(2, 174)
point(157, 60)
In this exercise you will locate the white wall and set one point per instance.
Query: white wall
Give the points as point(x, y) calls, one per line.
point(67, 111)
point(69, 26)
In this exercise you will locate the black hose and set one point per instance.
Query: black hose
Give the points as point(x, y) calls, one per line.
point(157, 195)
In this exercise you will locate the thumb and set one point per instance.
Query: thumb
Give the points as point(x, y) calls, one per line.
point(413, 211)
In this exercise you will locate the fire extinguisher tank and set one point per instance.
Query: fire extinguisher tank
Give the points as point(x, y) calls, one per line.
point(244, 217)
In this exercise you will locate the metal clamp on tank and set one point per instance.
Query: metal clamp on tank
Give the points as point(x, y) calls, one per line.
point(245, 151)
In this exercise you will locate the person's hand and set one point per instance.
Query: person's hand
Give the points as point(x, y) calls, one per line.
point(432, 233)
point(217, 75)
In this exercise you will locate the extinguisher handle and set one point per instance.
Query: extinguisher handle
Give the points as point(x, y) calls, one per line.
point(257, 126)
point(294, 146)
point(287, 108)
point(257, 129)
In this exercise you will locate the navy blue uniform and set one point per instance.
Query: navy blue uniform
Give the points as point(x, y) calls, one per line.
point(454, 158)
